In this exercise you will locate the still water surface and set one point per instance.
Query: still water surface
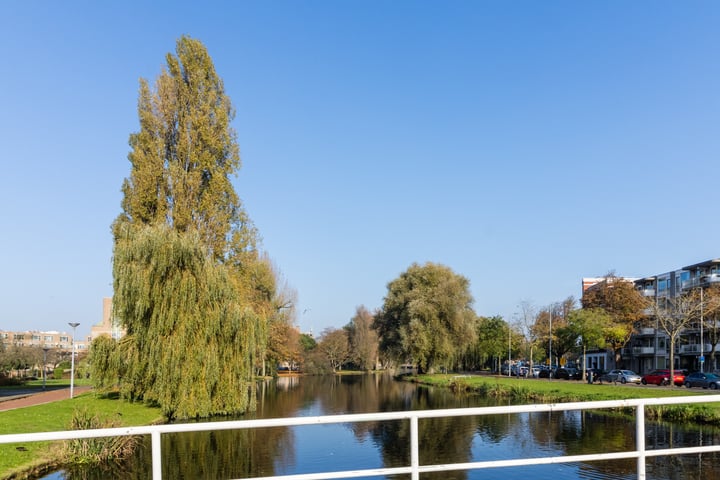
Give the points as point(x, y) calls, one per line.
point(317, 448)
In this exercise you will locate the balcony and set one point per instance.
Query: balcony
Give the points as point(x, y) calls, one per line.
point(694, 349)
point(643, 350)
point(701, 281)
point(647, 292)
point(646, 331)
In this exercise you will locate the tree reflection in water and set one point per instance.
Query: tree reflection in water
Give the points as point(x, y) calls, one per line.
point(284, 450)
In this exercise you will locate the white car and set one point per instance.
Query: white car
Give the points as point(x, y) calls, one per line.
point(622, 376)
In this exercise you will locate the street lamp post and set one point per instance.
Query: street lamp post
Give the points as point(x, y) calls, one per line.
point(45, 350)
point(509, 352)
point(72, 358)
point(702, 340)
point(550, 349)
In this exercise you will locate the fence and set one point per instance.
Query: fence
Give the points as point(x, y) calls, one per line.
point(414, 469)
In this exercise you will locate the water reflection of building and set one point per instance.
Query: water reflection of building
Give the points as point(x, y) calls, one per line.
point(286, 382)
point(649, 346)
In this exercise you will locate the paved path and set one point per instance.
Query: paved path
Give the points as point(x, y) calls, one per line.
point(38, 398)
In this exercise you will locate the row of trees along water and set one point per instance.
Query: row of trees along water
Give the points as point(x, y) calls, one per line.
point(205, 311)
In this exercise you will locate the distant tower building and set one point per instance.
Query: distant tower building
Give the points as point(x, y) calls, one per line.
point(109, 325)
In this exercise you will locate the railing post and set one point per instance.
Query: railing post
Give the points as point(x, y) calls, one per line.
point(640, 440)
point(156, 456)
point(414, 448)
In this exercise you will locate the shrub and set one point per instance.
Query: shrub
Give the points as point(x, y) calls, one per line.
point(96, 450)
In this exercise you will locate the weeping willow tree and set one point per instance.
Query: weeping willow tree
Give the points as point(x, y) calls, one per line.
point(190, 288)
point(106, 366)
point(192, 339)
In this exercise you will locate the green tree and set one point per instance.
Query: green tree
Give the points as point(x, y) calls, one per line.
point(184, 155)
point(587, 328)
point(190, 288)
point(363, 339)
point(426, 317)
point(307, 342)
point(491, 334)
point(106, 366)
point(625, 305)
point(192, 338)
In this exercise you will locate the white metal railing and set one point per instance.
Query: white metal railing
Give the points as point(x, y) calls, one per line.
point(414, 469)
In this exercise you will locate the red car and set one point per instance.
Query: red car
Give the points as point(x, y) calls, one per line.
point(662, 377)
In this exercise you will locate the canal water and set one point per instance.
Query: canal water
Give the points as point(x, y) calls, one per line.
point(318, 448)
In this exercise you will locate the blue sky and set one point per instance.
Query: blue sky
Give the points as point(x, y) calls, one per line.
point(523, 144)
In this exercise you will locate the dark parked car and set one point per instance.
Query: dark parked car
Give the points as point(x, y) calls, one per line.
point(568, 373)
point(595, 374)
point(662, 377)
point(545, 373)
point(704, 380)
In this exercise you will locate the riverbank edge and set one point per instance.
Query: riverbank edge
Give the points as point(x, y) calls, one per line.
point(544, 391)
point(47, 459)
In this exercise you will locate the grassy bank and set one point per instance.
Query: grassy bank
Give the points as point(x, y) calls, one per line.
point(544, 391)
point(17, 460)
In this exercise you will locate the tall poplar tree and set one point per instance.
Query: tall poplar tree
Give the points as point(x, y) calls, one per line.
point(189, 286)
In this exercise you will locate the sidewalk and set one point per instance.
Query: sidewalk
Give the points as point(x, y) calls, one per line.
point(39, 398)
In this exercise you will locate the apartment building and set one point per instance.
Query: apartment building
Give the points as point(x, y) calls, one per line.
point(62, 340)
point(50, 339)
point(649, 347)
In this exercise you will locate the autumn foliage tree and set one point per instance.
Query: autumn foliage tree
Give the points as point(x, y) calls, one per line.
point(623, 303)
point(363, 339)
point(335, 347)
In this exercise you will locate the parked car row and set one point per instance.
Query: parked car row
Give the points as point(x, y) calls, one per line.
point(656, 377)
point(566, 373)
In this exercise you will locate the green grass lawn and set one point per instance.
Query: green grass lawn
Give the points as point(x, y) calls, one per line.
point(522, 390)
point(57, 416)
point(565, 388)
